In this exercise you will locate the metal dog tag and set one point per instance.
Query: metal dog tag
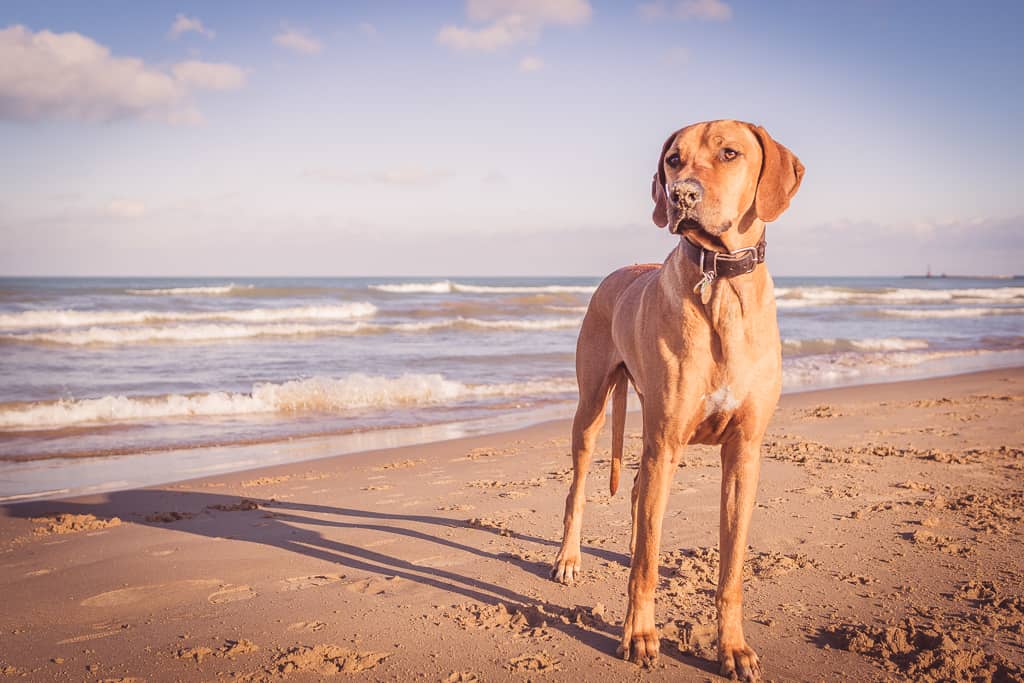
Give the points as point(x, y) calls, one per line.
point(703, 287)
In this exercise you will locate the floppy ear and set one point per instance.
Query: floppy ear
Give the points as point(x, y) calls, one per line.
point(781, 173)
point(660, 215)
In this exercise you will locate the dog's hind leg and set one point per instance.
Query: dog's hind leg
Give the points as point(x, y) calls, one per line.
point(595, 385)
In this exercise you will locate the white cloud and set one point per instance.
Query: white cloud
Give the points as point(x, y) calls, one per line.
point(709, 10)
point(125, 208)
point(368, 29)
point(528, 64)
point(298, 41)
point(184, 24)
point(508, 22)
point(69, 76)
point(209, 75)
point(409, 175)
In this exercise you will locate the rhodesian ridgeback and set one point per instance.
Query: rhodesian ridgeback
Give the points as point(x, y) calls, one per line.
point(698, 338)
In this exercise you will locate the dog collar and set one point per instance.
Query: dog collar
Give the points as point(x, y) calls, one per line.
point(716, 264)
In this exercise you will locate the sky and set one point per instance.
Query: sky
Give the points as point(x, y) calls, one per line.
point(495, 137)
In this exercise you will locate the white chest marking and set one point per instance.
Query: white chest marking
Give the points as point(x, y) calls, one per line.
point(721, 401)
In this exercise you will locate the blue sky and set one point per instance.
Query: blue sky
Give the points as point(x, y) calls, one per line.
point(494, 136)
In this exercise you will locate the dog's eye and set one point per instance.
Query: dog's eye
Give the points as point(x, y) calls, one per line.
point(673, 160)
point(728, 154)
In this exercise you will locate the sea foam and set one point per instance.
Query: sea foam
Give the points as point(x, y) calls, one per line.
point(79, 318)
point(316, 394)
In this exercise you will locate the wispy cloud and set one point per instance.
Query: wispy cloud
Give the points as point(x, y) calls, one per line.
point(183, 24)
point(125, 208)
point(209, 75)
point(368, 29)
point(298, 41)
point(69, 76)
point(501, 23)
point(708, 10)
point(528, 64)
point(408, 175)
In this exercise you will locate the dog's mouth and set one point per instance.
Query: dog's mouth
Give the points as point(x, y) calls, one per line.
point(687, 223)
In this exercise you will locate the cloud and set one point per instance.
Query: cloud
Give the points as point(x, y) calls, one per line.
point(68, 76)
point(183, 24)
point(368, 29)
point(409, 176)
point(528, 64)
point(209, 75)
point(298, 41)
point(508, 22)
point(708, 10)
point(125, 208)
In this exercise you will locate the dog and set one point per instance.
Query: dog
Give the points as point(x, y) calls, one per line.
point(697, 337)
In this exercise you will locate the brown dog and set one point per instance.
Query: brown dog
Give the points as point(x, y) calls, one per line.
point(698, 338)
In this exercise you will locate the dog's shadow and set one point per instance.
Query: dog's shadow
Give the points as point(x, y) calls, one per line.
point(318, 531)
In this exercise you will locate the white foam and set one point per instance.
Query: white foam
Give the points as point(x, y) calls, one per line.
point(823, 295)
point(209, 332)
point(831, 345)
point(316, 394)
point(951, 312)
point(75, 318)
point(442, 287)
point(189, 291)
point(448, 287)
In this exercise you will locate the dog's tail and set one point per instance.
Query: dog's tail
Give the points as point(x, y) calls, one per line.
point(618, 428)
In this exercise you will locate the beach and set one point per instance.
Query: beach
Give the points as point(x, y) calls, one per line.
point(886, 544)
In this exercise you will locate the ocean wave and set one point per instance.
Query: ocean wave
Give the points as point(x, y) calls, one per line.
point(951, 312)
point(796, 297)
point(858, 367)
point(76, 318)
point(316, 394)
point(449, 287)
point(209, 290)
point(218, 332)
point(827, 345)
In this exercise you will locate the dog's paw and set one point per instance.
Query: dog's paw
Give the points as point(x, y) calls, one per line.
point(640, 642)
point(566, 568)
point(739, 663)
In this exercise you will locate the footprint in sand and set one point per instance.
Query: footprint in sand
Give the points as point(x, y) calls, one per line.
point(231, 594)
point(377, 585)
point(307, 626)
point(298, 583)
point(151, 593)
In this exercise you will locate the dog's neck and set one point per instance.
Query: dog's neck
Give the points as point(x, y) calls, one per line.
point(683, 275)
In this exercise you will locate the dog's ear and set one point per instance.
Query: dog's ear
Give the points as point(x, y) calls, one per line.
point(660, 215)
point(781, 173)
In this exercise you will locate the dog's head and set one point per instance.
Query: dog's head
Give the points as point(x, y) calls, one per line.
point(719, 175)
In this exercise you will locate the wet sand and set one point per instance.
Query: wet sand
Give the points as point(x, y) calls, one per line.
point(886, 544)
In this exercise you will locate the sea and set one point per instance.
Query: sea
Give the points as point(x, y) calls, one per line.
point(108, 384)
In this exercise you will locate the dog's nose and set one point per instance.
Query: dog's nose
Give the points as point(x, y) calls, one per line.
point(687, 193)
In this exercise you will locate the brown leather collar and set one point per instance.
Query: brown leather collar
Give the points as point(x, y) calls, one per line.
point(715, 264)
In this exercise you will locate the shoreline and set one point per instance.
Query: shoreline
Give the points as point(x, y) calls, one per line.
point(892, 506)
point(134, 468)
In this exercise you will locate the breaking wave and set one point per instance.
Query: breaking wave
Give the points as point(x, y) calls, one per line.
point(75, 318)
point(951, 312)
point(223, 332)
point(210, 290)
point(796, 297)
point(316, 394)
point(449, 287)
point(820, 346)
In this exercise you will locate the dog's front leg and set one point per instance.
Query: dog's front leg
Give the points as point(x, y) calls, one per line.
point(640, 642)
point(741, 461)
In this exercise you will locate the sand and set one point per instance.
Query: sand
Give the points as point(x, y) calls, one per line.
point(886, 545)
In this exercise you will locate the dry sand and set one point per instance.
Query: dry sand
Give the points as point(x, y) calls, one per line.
point(886, 544)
